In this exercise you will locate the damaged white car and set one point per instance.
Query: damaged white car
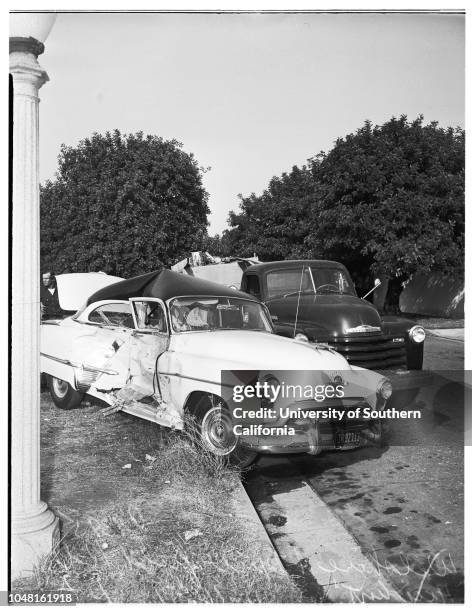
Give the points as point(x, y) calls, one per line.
point(155, 346)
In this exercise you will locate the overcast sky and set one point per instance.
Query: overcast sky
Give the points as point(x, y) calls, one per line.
point(249, 94)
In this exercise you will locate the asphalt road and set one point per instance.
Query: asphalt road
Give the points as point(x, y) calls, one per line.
point(403, 503)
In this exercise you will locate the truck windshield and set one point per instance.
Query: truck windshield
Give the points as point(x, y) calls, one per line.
point(308, 280)
point(216, 313)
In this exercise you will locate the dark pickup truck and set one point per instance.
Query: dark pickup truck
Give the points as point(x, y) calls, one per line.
point(316, 301)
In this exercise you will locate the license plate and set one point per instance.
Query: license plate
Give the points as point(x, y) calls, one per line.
point(346, 438)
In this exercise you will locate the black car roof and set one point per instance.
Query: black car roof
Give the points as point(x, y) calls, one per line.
point(292, 263)
point(165, 284)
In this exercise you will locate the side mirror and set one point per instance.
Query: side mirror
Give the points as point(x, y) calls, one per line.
point(377, 283)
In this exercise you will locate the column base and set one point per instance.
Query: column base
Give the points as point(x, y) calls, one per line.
point(32, 538)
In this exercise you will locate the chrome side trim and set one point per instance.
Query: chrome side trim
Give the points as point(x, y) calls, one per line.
point(211, 382)
point(81, 366)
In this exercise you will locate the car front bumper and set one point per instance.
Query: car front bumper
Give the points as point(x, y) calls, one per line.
point(314, 437)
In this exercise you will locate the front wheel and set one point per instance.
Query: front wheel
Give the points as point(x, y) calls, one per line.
point(63, 394)
point(215, 429)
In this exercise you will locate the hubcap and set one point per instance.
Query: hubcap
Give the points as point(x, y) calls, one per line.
point(217, 431)
point(60, 387)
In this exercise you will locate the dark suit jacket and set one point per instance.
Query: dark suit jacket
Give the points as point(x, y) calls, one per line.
point(52, 309)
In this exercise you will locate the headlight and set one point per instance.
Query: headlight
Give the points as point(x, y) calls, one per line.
point(417, 334)
point(385, 389)
point(301, 338)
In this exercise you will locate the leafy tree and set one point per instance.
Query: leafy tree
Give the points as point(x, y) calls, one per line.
point(272, 225)
point(394, 194)
point(124, 204)
point(387, 200)
point(213, 245)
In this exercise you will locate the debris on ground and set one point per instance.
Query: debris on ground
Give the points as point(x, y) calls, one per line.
point(192, 533)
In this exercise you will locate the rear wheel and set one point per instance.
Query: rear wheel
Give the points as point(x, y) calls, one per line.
point(215, 429)
point(63, 393)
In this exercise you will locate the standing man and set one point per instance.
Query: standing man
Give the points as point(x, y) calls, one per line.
point(50, 307)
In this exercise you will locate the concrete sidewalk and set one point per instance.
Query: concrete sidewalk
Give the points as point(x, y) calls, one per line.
point(313, 543)
point(448, 334)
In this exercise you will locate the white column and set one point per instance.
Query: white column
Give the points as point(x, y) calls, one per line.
point(35, 529)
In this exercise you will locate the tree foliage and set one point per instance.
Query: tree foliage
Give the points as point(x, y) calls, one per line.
point(272, 225)
point(123, 204)
point(385, 200)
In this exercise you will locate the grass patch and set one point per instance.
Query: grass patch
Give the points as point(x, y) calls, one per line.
point(146, 516)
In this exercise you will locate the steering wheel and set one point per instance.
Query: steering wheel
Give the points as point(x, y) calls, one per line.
point(297, 292)
point(336, 288)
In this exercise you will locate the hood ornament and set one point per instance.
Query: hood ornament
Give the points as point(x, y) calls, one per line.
point(362, 329)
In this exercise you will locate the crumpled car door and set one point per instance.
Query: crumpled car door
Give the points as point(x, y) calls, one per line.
point(144, 395)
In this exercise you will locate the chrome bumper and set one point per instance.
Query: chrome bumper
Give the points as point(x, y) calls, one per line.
point(310, 437)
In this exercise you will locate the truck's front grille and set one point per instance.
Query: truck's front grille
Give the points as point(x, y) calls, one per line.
point(372, 351)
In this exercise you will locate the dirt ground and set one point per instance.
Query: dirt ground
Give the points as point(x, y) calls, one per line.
point(145, 516)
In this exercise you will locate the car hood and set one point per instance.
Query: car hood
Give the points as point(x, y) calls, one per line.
point(324, 314)
point(251, 350)
point(74, 288)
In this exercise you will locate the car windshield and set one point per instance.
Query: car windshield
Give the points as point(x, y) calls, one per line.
point(217, 313)
point(308, 280)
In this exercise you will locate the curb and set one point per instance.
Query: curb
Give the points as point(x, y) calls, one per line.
point(308, 534)
point(244, 510)
point(455, 334)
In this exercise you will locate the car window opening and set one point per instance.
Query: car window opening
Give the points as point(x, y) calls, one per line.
point(309, 280)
